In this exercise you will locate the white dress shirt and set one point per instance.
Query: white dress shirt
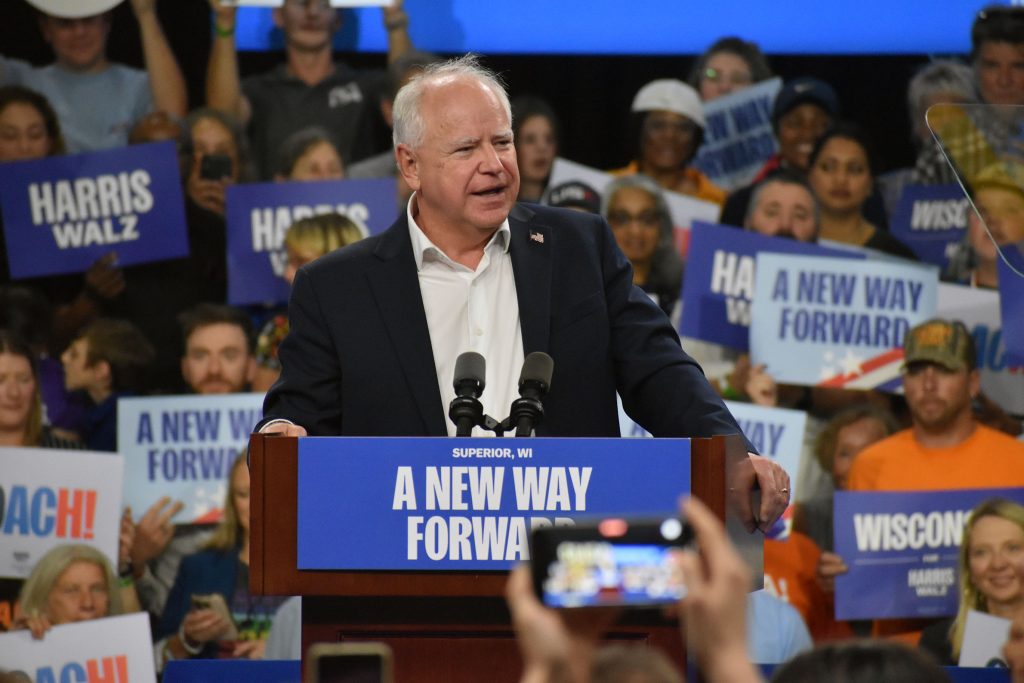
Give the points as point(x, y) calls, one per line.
point(472, 310)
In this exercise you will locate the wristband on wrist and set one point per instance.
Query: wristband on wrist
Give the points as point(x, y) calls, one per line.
point(223, 32)
point(191, 649)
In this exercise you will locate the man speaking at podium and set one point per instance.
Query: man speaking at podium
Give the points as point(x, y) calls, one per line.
point(377, 326)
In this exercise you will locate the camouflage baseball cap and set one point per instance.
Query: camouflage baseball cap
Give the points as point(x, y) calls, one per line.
point(943, 342)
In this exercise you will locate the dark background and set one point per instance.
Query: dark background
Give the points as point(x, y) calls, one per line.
point(591, 94)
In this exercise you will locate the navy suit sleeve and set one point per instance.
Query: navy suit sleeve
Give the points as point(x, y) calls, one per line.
point(309, 390)
point(662, 388)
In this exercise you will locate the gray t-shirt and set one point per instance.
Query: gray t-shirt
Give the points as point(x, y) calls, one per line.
point(95, 110)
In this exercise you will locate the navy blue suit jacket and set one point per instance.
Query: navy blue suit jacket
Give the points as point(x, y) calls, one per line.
point(358, 361)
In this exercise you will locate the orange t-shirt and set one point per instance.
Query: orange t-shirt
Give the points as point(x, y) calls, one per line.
point(986, 459)
point(790, 566)
point(706, 190)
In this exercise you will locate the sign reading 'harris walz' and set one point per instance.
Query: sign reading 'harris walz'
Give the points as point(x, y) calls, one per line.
point(469, 504)
point(62, 213)
point(902, 549)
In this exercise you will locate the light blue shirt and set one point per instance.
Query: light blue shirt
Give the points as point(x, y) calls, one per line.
point(95, 110)
point(775, 631)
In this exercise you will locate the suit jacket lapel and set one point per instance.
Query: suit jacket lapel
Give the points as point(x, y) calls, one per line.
point(396, 289)
point(531, 250)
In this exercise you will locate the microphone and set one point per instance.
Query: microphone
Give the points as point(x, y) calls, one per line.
point(465, 410)
point(534, 383)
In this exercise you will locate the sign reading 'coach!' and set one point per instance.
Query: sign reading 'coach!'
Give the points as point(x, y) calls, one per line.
point(53, 497)
point(63, 213)
point(259, 216)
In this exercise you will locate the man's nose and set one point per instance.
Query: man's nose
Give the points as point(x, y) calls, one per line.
point(491, 162)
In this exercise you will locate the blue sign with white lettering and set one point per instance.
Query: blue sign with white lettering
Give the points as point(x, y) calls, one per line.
point(718, 284)
point(259, 215)
point(469, 504)
point(60, 214)
point(902, 550)
point(931, 220)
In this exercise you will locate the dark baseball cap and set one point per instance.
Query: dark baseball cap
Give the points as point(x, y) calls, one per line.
point(805, 90)
point(574, 195)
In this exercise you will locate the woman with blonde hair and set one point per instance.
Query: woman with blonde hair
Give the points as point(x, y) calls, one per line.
point(70, 583)
point(307, 239)
point(210, 612)
point(990, 552)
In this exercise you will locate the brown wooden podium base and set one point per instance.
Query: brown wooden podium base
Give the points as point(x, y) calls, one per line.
point(458, 640)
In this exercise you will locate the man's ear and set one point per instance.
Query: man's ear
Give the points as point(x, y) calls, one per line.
point(974, 382)
point(408, 166)
point(277, 14)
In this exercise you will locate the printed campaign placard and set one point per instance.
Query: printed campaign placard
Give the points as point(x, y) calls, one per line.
point(984, 637)
point(62, 213)
point(1011, 307)
point(837, 322)
point(902, 550)
point(53, 497)
point(979, 310)
point(738, 138)
point(685, 210)
point(259, 215)
point(931, 220)
point(718, 283)
point(113, 650)
point(183, 447)
point(469, 504)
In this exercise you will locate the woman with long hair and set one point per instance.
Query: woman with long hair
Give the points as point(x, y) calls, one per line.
point(991, 550)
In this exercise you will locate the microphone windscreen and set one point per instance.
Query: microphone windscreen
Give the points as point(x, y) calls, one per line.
point(470, 366)
point(537, 367)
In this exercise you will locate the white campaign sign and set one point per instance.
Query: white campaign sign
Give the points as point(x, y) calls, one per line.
point(984, 636)
point(52, 497)
point(113, 650)
point(685, 210)
point(979, 310)
point(183, 447)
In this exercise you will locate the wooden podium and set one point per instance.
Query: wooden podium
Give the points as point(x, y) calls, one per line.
point(442, 626)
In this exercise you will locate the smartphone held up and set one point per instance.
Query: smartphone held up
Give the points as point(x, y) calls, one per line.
point(610, 562)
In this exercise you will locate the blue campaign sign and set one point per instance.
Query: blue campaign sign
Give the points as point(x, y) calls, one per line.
point(902, 550)
point(738, 138)
point(258, 216)
point(931, 220)
point(183, 447)
point(836, 322)
point(469, 504)
point(718, 284)
point(1011, 306)
point(62, 213)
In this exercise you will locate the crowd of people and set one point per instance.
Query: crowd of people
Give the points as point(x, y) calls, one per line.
point(72, 345)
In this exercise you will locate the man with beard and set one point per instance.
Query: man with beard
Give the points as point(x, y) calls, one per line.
point(784, 206)
point(218, 356)
point(945, 447)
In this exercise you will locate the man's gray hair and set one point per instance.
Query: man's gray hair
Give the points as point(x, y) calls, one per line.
point(409, 126)
point(943, 76)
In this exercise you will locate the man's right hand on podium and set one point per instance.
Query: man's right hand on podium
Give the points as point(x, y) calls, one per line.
point(283, 428)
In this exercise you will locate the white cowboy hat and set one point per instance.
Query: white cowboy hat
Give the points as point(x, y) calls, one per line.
point(74, 9)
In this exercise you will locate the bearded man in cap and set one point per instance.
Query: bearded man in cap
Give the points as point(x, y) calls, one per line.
point(945, 447)
point(98, 101)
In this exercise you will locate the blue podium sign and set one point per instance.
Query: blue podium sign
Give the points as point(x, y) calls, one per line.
point(469, 504)
point(902, 550)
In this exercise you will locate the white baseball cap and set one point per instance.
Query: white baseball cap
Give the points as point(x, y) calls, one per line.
point(74, 9)
point(669, 94)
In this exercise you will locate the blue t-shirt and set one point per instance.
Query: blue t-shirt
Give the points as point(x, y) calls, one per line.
point(95, 110)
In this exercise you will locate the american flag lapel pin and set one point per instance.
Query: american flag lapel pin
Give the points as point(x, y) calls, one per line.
point(537, 237)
